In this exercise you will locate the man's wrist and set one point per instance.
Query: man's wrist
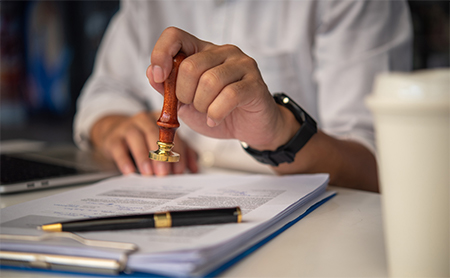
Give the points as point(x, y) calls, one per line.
point(286, 152)
point(287, 127)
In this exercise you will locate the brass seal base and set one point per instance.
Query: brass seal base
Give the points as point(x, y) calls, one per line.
point(164, 153)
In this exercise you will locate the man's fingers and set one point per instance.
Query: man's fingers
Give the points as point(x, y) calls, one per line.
point(120, 154)
point(171, 41)
point(132, 139)
point(161, 168)
point(138, 147)
point(157, 86)
point(192, 70)
point(213, 81)
point(146, 122)
point(191, 160)
point(180, 166)
point(224, 104)
point(181, 148)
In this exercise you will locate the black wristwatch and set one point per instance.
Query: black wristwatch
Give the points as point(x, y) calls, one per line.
point(286, 153)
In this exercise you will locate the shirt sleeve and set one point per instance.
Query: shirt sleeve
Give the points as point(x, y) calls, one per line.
point(354, 41)
point(118, 84)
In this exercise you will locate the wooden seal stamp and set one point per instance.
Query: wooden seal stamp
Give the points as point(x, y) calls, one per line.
point(168, 121)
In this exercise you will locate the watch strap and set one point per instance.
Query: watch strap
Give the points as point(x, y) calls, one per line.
point(287, 152)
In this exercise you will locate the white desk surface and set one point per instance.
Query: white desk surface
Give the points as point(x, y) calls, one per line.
point(342, 238)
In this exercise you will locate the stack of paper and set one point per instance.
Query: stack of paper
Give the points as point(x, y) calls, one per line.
point(268, 204)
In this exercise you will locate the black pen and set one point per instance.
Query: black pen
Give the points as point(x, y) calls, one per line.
point(153, 220)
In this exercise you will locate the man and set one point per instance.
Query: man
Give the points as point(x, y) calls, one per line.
point(323, 54)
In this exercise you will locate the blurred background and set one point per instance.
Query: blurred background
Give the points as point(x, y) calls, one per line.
point(48, 50)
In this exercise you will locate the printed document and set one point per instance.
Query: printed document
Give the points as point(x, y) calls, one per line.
point(264, 201)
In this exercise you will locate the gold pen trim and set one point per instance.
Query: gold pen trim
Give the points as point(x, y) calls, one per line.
point(162, 220)
point(52, 227)
point(239, 214)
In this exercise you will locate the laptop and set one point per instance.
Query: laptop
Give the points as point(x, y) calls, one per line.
point(50, 166)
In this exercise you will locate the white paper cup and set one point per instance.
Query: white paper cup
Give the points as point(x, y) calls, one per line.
point(411, 113)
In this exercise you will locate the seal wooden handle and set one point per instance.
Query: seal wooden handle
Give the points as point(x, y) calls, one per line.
point(168, 121)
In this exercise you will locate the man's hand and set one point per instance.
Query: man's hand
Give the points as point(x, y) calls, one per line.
point(221, 91)
point(125, 139)
point(223, 95)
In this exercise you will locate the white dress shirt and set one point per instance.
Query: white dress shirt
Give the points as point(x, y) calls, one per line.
point(323, 54)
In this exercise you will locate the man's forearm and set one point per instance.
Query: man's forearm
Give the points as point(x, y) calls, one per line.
point(349, 163)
